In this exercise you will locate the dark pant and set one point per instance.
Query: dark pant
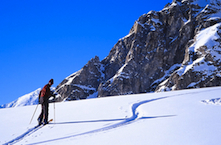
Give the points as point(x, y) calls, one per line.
point(44, 111)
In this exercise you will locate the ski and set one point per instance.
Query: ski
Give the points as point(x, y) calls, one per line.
point(44, 124)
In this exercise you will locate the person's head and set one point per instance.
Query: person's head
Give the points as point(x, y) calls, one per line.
point(51, 82)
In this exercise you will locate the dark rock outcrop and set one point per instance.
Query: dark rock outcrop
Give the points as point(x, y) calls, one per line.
point(83, 83)
point(160, 53)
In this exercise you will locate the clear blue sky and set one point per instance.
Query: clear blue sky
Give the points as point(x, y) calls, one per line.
point(44, 39)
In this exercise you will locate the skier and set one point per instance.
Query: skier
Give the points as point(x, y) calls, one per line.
point(44, 96)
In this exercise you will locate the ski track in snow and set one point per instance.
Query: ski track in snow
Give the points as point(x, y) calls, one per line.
point(125, 121)
point(27, 133)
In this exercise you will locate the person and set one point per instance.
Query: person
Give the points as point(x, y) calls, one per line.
point(44, 96)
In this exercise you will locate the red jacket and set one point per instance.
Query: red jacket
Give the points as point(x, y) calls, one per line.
point(46, 92)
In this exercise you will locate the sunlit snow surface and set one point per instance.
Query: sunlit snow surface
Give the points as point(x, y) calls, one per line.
point(171, 118)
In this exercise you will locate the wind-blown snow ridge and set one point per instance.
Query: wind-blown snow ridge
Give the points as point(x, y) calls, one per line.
point(216, 101)
point(135, 116)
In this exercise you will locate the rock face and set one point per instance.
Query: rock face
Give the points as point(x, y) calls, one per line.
point(83, 83)
point(202, 57)
point(175, 48)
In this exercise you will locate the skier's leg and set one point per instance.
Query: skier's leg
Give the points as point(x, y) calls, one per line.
point(46, 113)
point(40, 116)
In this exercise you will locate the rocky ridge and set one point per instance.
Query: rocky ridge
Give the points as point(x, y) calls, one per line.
point(172, 49)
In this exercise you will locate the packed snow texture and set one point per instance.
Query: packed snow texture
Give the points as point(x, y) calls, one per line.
point(173, 118)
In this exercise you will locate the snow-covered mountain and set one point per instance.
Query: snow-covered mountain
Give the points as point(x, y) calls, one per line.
point(28, 99)
point(176, 48)
point(25, 100)
point(165, 118)
point(201, 63)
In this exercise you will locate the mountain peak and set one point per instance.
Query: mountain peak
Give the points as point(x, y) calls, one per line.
point(158, 47)
point(201, 3)
point(25, 100)
point(28, 99)
point(172, 49)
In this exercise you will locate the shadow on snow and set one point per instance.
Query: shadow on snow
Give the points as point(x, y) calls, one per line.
point(27, 133)
point(124, 121)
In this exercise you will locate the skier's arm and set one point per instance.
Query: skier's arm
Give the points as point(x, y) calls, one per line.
point(53, 94)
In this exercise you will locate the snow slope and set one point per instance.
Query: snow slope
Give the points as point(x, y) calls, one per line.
point(168, 118)
point(28, 99)
point(25, 100)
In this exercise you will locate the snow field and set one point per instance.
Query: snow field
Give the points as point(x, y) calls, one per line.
point(176, 117)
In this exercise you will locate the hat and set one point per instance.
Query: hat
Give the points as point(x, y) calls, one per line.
point(52, 81)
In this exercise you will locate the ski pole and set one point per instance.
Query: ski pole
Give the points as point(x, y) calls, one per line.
point(54, 104)
point(54, 111)
point(33, 114)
